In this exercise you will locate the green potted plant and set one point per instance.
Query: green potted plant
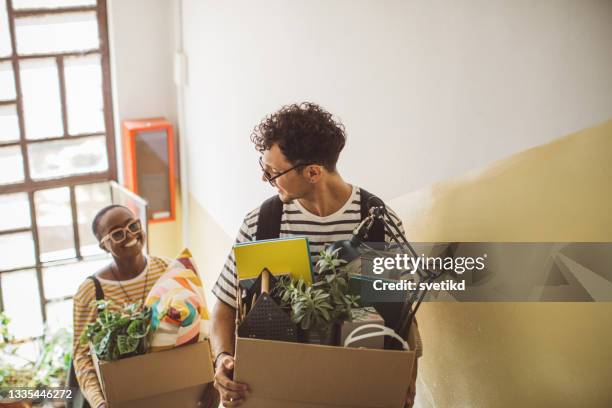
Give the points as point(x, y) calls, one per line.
point(114, 335)
point(319, 308)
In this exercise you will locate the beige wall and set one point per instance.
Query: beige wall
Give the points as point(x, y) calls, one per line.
point(519, 354)
point(209, 246)
point(166, 238)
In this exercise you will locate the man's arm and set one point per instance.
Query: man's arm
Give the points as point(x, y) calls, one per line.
point(222, 339)
point(223, 329)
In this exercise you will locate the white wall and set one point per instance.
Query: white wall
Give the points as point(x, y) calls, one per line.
point(141, 51)
point(142, 43)
point(427, 90)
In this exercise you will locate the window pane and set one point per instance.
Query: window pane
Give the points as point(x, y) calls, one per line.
point(54, 221)
point(9, 124)
point(67, 157)
point(17, 250)
point(42, 115)
point(11, 164)
point(5, 38)
point(21, 303)
point(57, 33)
point(7, 81)
point(90, 198)
point(64, 280)
point(59, 315)
point(84, 94)
point(30, 4)
point(14, 211)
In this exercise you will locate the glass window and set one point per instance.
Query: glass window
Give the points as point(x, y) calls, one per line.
point(90, 199)
point(57, 33)
point(7, 81)
point(14, 211)
point(54, 222)
point(44, 4)
point(11, 164)
point(21, 303)
point(9, 124)
point(67, 157)
point(59, 315)
point(42, 115)
point(84, 99)
point(17, 250)
point(6, 49)
point(64, 280)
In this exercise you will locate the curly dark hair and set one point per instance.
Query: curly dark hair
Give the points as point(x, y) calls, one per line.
point(305, 133)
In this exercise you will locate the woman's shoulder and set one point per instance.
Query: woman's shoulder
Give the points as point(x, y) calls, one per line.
point(87, 289)
point(86, 292)
point(158, 264)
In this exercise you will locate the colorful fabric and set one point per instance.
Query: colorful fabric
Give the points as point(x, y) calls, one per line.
point(179, 312)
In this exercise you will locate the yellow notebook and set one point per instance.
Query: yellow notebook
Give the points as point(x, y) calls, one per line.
point(280, 256)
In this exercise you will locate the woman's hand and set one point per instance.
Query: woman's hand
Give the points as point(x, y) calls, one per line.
point(232, 393)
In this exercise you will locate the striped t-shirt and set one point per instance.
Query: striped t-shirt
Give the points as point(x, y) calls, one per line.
point(85, 313)
point(297, 221)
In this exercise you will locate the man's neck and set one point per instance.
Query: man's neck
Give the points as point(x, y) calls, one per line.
point(328, 196)
point(128, 269)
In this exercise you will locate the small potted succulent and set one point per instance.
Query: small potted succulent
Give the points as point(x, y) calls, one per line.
point(318, 309)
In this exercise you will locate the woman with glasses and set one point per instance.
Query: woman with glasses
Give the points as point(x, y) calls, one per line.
point(128, 278)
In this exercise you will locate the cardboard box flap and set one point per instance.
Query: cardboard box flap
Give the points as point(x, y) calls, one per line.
point(157, 373)
point(307, 375)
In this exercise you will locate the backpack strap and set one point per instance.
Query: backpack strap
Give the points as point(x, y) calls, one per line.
point(269, 221)
point(271, 212)
point(377, 232)
point(99, 291)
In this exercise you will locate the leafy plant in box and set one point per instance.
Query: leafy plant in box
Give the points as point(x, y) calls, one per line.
point(325, 302)
point(118, 334)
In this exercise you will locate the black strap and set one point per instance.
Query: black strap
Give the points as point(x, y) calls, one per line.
point(271, 213)
point(269, 221)
point(377, 232)
point(99, 291)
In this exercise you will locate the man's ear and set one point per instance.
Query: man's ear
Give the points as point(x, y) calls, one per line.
point(314, 172)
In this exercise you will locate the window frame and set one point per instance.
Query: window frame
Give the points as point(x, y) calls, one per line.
point(30, 186)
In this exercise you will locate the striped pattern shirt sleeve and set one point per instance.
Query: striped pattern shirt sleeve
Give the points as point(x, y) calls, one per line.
point(226, 286)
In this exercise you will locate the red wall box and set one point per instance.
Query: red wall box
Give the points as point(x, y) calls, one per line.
point(148, 169)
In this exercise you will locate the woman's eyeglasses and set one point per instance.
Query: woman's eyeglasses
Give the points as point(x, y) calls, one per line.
point(271, 177)
point(119, 234)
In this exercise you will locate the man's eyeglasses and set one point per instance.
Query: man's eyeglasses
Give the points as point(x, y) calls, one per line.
point(119, 234)
point(271, 177)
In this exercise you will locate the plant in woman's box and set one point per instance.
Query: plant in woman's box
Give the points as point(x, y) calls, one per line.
point(318, 309)
point(116, 335)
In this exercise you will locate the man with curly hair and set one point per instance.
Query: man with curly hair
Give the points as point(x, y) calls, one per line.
point(299, 145)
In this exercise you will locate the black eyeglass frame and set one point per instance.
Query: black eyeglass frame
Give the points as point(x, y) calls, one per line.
point(271, 178)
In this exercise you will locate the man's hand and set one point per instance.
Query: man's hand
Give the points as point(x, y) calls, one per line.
point(232, 393)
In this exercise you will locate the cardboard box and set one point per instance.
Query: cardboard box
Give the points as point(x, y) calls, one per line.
point(172, 378)
point(296, 375)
